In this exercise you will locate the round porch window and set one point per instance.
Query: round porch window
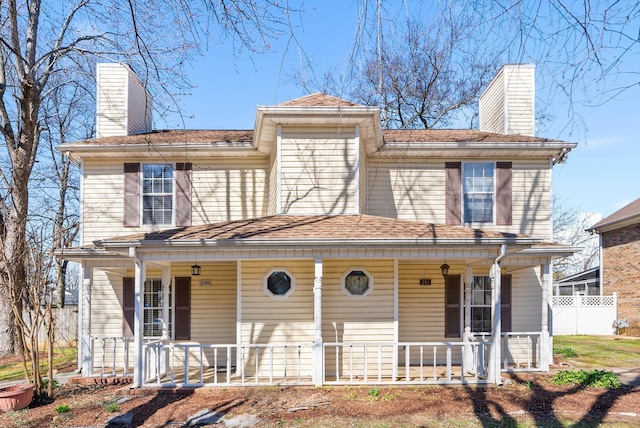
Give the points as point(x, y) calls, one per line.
point(278, 283)
point(357, 282)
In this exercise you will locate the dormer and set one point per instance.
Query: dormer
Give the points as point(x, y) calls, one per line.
point(317, 146)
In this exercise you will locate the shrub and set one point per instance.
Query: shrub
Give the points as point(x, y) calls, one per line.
point(113, 407)
point(565, 352)
point(594, 378)
point(63, 408)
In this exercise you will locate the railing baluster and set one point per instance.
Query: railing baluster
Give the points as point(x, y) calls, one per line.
point(435, 359)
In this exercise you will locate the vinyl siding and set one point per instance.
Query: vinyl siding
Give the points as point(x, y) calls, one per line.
point(229, 189)
point(222, 191)
point(318, 172)
point(139, 106)
point(112, 100)
point(123, 106)
point(357, 319)
point(272, 320)
point(273, 185)
point(414, 189)
point(507, 106)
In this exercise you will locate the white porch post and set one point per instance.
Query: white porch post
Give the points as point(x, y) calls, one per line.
point(138, 330)
point(86, 351)
point(545, 338)
point(318, 361)
point(166, 286)
point(468, 281)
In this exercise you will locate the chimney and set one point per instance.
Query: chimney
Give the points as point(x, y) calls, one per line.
point(123, 103)
point(508, 105)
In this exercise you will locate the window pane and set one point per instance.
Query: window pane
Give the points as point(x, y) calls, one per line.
point(356, 283)
point(478, 189)
point(157, 190)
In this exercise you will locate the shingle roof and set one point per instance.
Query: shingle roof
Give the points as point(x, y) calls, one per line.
point(223, 137)
point(347, 227)
point(627, 212)
point(318, 99)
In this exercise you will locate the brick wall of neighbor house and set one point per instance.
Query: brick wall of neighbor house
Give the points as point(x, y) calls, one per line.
point(620, 258)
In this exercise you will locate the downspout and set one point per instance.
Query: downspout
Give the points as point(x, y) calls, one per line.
point(496, 328)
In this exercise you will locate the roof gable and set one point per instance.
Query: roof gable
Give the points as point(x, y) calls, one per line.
point(318, 99)
point(627, 215)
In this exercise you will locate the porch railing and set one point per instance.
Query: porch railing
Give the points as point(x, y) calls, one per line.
point(207, 364)
point(520, 351)
point(188, 364)
point(405, 362)
point(115, 356)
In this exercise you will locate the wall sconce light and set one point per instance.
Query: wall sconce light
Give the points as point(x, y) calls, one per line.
point(444, 269)
point(196, 269)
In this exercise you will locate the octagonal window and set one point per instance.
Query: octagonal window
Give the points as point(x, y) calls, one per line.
point(278, 283)
point(357, 282)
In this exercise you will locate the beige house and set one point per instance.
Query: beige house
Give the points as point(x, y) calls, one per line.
point(317, 247)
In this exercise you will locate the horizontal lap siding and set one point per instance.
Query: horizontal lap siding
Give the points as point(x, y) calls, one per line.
point(526, 300)
point(531, 185)
point(268, 320)
point(520, 100)
point(112, 98)
point(408, 189)
point(222, 191)
point(491, 106)
point(348, 319)
point(318, 173)
point(228, 190)
point(421, 308)
point(103, 190)
point(414, 190)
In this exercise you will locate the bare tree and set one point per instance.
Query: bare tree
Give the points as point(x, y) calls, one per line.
point(425, 79)
point(40, 41)
point(570, 226)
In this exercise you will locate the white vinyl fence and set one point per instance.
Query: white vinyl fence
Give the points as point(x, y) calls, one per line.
point(584, 315)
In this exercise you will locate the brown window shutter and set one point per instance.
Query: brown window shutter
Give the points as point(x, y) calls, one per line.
point(503, 193)
point(183, 194)
point(128, 306)
point(182, 326)
point(505, 307)
point(131, 215)
point(452, 306)
point(453, 189)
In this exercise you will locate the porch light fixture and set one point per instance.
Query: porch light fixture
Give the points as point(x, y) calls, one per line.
point(444, 269)
point(195, 270)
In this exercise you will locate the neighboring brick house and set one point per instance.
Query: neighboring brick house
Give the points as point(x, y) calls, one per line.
point(620, 261)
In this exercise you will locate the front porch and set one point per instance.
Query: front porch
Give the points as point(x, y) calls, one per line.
point(170, 364)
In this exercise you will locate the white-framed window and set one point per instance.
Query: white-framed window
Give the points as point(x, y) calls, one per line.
point(481, 304)
point(157, 194)
point(356, 282)
point(478, 189)
point(152, 310)
point(278, 283)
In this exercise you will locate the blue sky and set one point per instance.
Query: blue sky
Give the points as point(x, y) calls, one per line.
point(601, 175)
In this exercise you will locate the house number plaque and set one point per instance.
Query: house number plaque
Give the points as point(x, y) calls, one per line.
point(425, 281)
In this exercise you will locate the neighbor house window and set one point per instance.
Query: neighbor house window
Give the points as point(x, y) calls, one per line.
point(157, 194)
point(357, 282)
point(478, 192)
point(278, 283)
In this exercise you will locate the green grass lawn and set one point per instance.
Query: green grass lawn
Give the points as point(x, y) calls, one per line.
point(598, 351)
point(64, 359)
